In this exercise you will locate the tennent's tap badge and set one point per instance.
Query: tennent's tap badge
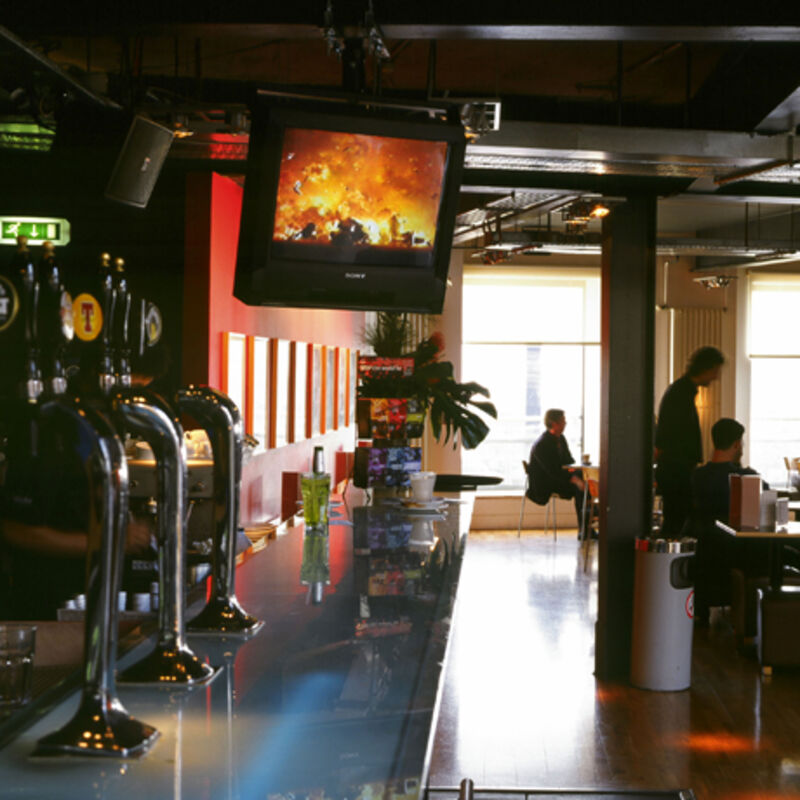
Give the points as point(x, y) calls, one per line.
point(9, 303)
point(87, 316)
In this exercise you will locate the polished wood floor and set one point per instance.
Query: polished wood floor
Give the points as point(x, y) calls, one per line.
point(522, 708)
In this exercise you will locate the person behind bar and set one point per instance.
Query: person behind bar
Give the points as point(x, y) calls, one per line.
point(44, 516)
point(679, 446)
point(546, 474)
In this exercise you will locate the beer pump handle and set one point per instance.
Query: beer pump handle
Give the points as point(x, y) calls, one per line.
point(56, 325)
point(122, 314)
point(106, 298)
point(29, 289)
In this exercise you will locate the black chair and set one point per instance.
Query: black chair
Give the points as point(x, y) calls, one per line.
point(550, 506)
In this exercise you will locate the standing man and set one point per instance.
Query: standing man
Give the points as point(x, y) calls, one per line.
point(679, 445)
point(546, 474)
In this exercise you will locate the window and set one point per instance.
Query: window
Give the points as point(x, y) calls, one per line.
point(532, 337)
point(774, 352)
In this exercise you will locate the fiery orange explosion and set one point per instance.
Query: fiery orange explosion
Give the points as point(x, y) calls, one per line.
point(346, 188)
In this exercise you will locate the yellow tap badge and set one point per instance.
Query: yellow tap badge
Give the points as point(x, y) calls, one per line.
point(87, 317)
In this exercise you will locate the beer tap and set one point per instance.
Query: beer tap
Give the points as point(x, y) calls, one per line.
point(56, 322)
point(32, 385)
point(122, 313)
point(172, 662)
point(221, 419)
point(107, 300)
point(101, 725)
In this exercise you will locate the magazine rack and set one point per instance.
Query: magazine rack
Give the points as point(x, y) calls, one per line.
point(389, 426)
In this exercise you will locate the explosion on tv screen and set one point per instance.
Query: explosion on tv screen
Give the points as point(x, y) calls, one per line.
point(348, 189)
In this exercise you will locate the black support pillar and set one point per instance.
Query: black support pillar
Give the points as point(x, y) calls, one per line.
point(626, 437)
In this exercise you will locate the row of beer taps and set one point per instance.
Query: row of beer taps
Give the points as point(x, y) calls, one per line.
point(104, 416)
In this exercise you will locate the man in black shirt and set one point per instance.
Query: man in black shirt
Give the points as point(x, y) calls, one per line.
point(546, 474)
point(710, 483)
point(717, 551)
point(679, 446)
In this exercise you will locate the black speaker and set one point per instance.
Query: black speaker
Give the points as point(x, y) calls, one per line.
point(139, 163)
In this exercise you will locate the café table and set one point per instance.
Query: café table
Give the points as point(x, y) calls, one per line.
point(788, 534)
point(463, 483)
point(589, 472)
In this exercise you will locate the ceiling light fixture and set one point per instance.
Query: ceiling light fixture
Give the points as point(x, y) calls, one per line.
point(582, 211)
point(715, 281)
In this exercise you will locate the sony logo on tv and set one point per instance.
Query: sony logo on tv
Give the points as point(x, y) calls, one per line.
point(355, 276)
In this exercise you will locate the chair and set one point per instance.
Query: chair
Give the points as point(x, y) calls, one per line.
point(792, 472)
point(550, 506)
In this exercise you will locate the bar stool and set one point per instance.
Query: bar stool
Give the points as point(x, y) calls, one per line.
point(550, 506)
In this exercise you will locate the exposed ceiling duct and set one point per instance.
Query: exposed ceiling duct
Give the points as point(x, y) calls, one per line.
point(627, 101)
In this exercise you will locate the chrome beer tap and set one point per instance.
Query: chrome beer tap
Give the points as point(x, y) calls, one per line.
point(101, 726)
point(172, 662)
point(221, 419)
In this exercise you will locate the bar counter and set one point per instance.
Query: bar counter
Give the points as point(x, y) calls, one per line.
point(333, 699)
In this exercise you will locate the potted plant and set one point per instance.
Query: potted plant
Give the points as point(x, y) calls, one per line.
point(446, 401)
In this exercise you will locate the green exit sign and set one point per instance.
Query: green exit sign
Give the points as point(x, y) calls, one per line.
point(37, 229)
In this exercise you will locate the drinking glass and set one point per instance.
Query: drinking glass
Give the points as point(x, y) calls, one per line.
point(17, 643)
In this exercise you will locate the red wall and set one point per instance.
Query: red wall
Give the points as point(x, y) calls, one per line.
point(213, 208)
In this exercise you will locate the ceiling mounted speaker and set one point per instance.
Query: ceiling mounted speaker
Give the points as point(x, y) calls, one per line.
point(139, 163)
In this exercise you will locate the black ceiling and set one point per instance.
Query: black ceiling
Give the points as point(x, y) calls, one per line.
point(678, 66)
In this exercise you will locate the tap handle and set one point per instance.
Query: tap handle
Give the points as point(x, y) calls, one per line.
point(122, 315)
point(29, 285)
point(56, 324)
point(106, 299)
point(29, 289)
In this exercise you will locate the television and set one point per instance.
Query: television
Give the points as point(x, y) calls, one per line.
point(347, 207)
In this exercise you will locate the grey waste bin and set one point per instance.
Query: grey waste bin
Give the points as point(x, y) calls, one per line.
point(663, 614)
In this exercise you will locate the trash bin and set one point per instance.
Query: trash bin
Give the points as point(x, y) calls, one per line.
point(663, 614)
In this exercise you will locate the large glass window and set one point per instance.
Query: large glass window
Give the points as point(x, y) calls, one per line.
point(774, 351)
point(532, 337)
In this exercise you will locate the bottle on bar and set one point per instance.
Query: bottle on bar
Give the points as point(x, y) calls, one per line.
point(316, 488)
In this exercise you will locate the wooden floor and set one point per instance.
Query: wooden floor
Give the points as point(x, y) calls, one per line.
point(521, 707)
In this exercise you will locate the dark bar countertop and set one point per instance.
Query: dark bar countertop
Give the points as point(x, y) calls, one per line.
point(335, 699)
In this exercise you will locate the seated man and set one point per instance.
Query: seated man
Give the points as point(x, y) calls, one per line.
point(710, 483)
point(718, 552)
point(546, 474)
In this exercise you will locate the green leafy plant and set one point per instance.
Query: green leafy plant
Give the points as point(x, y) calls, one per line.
point(390, 335)
point(446, 401)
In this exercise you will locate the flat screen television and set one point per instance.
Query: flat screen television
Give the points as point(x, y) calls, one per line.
point(348, 208)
